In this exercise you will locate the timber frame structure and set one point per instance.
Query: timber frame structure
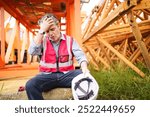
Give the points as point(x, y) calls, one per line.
point(116, 32)
point(14, 41)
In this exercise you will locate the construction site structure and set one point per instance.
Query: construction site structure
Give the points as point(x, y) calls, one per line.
point(115, 32)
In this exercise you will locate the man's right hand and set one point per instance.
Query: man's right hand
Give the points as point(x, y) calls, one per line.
point(46, 23)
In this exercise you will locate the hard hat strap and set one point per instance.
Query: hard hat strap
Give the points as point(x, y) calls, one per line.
point(87, 93)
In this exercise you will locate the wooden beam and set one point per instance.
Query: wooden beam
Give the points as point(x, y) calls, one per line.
point(18, 43)
point(93, 17)
point(27, 46)
point(24, 42)
point(105, 53)
point(2, 36)
point(122, 57)
point(14, 13)
point(68, 19)
point(138, 36)
point(145, 11)
point(144, 4)
point(52, 1)
point(93, 58)
point(77, 22)
point(137, 52)
point(122, 9)
point(99, 58)
point(10, 44)
point(138, 16)
point(124, 51)
point(104, 12)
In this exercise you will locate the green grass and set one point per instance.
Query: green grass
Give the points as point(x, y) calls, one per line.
point(122, 84)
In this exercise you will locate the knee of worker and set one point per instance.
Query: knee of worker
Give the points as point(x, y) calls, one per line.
point(29, 85)
point(78, 71)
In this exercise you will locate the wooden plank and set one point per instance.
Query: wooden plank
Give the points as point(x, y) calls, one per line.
point(91, 54)
point(104, 12)
point(77, 22)
point(138, 36)
point(2, 64)
point(27, 46)
point(144, 4)
point(105, 53)
point(14, 13)
point(23, 45)
point(122, 9)
point(99, 58)
point(18, 43)
point(137, 52)
point(10, 44)
point(93, 17)
point(138, 16)
point(119, 48)
point(2, 36)
point(125, 47)
point(125, 27)
point(122, 57)
point(124, 51)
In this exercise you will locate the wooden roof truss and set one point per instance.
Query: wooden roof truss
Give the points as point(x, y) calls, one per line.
point(118, 32)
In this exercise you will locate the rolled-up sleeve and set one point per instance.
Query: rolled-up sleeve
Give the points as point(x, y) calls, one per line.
point(78, 53)
point(35, 49)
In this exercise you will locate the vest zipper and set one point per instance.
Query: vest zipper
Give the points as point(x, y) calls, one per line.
point(57, 57)
point(57, 64)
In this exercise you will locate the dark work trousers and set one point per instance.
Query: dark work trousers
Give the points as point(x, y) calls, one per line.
point(45, 82)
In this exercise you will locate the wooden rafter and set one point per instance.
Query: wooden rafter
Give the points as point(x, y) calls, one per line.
point(116, 14)
point(117, 35)
point(139, 38)
point(122, 57)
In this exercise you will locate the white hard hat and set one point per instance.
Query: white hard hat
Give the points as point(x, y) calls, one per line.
point(84, 88)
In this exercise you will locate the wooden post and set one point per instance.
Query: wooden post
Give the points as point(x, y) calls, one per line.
point(23, 45)
point(68, 19)
point(93, 58)
point(18, 43)
point(74, 18)
point(124, 51)
point(137, 51)
point(98, 58)
point(27, 46)
point(10, 44)
point(138, 36)
point(77, 21)
point(105, 53)
point(2, 37)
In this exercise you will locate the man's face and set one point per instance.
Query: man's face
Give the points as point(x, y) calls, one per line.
point(54, 32)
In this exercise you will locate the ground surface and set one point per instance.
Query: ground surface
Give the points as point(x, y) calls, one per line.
point(12, 77)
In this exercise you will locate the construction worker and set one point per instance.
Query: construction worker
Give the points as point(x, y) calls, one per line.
point(56, 64)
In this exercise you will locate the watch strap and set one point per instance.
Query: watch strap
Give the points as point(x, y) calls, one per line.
point(42, 32)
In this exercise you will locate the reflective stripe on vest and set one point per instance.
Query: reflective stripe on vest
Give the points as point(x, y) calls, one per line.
point(50, 65)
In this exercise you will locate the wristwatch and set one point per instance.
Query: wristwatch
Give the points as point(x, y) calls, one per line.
point(41, 32)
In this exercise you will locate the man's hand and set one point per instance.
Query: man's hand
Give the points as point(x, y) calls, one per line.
point(84, 69)
point(46, 23)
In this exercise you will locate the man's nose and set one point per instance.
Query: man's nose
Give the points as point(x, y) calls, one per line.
point(51, 33)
